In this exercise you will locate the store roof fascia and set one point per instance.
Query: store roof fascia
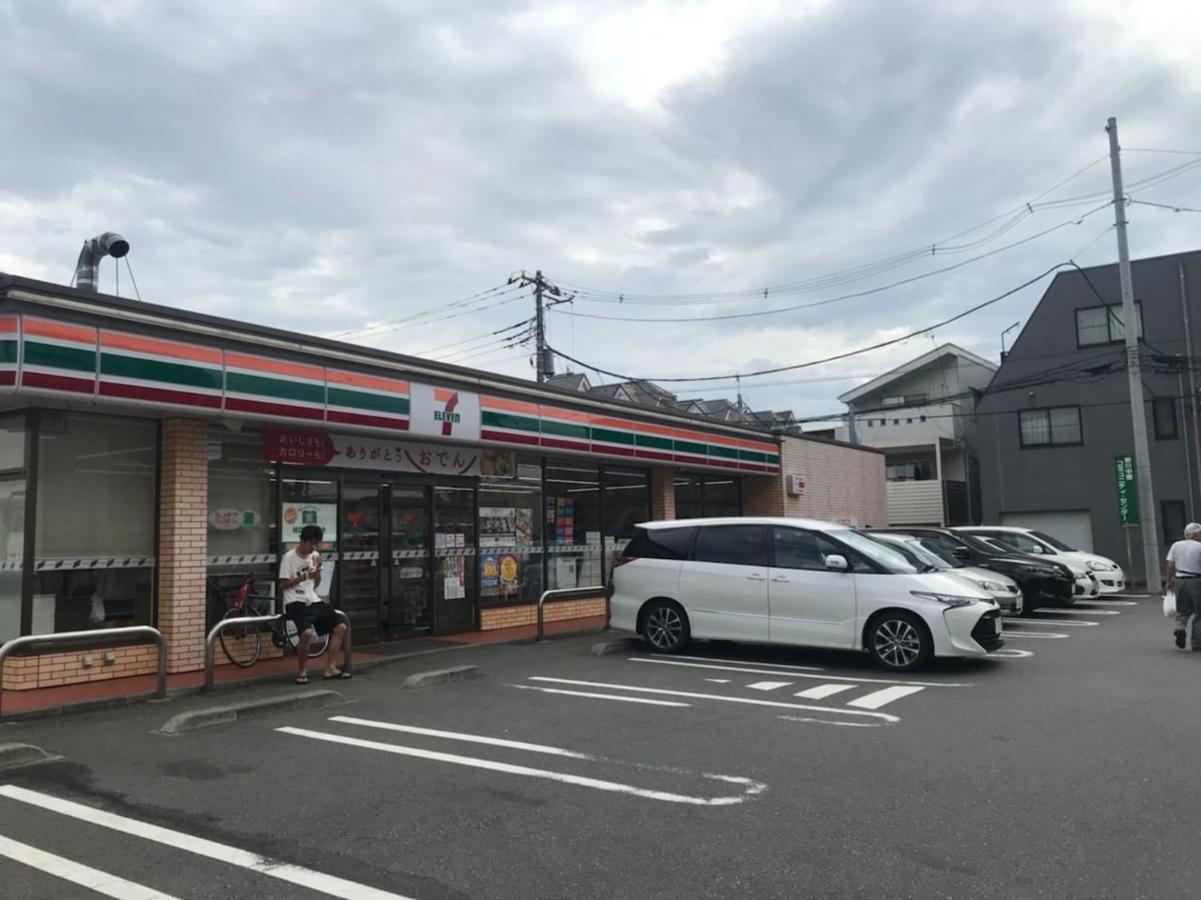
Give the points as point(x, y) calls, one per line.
point(216, 330)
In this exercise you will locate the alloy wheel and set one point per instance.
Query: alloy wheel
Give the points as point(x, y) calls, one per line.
point(664, 628)
point(898, 643)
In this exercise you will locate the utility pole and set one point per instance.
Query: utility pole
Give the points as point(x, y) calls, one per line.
point(543, 370)
point(1192, 375)
point(1138, 412)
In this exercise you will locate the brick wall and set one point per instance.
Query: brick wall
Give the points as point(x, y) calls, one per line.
point(183, 537)
point(561, 611)
point(55, 669)
point(663, 493)
point(842, 484)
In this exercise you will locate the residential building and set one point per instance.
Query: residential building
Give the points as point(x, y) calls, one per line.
point(916, 413)
point(1057, 414)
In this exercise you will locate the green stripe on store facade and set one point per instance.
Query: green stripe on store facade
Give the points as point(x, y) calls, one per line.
point(52, 356)
point(612, 437)
point(564, 429)
point(690, 447)
point(752, 456)
point(509, 421)
point(154, 370)
point(375, 402)
point(657, 443)
point(9, 351)
point(722, 451)
point(275, 388)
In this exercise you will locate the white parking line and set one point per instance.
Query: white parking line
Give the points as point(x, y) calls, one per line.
point(1067, 623)
point(592, 696)
point(76, 873)
point(828, 722)
point(718, 680)
point(1113, 602)
point(1085, 612)
point(234, 856)
point(1009, 653)
point(1033, 634)
point(695, 696)
point(822, 691)
point(460, 736)
point(714, 659)
point(823, 677)
point(752, 787)
point(768, 685)
point(876, 699)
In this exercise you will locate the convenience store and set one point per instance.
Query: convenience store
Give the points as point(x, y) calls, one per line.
point(150, 457)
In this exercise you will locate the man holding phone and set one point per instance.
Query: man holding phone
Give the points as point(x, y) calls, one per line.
point(299, 576)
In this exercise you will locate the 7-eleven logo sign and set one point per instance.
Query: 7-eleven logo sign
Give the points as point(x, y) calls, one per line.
point(447, 415)
point(444, 412)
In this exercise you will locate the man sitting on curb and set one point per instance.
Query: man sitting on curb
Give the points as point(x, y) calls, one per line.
point(299, 575)
point(1184, 577)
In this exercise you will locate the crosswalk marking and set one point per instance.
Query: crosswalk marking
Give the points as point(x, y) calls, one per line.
point(768, 685)
point(822, 691)
point(234, 856)
point(77, 873)
point(876, 699)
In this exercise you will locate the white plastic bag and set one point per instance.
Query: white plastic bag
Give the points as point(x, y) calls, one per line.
point(1169, 604)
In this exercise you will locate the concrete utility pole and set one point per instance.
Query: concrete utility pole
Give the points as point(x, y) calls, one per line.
point(1138, 411)
point(1192, 376)
point(543, 371)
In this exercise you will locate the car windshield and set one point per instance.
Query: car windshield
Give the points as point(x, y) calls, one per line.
point(924, 554)
point(885, 557)
point(1058, 545)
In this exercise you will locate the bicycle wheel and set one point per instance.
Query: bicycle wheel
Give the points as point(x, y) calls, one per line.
point(317, 645)
point(243, 644)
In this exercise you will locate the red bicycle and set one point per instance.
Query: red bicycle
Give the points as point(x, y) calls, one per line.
point(243, 644)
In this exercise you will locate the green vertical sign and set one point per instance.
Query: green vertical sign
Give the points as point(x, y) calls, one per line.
point(1127, 491)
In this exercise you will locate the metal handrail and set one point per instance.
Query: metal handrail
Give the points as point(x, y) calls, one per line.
point(211, 640)
point(91, 640)
point(559, 592)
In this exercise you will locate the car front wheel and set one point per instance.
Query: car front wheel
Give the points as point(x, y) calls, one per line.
point(665, 626)
point(899, 641)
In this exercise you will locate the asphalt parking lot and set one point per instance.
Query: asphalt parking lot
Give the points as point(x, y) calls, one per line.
point(1059, 768)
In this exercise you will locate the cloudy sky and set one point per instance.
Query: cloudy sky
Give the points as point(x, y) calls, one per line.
point(353, 166)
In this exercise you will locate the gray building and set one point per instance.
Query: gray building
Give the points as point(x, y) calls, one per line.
point(1057, 413)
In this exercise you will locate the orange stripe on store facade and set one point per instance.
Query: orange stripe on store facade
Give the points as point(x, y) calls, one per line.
point(274, 366)
point(441, 395)
point(567, 415)
point(529, 409)
point(372, 382)
point(8, 325)
point(43, 328)
point(155, 347)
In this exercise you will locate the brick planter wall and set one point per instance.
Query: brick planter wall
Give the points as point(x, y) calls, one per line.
point(527, 614)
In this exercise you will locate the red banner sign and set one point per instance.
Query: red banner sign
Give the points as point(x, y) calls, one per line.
point(306, 448)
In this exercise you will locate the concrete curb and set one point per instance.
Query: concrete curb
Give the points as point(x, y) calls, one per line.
point(233, 712)
point(441, 676)
point(607, 648)
point(13, 755)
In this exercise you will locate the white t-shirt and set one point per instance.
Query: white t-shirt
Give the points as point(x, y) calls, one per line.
point(1186, 556)
point(292, 565)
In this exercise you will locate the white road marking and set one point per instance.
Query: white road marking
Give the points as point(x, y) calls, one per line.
point(528, 772)
point(1034, 634)
point(460, 736)
point(76, 873)
point(714, 659)
point(1069, 623)
point(589, 694)
point(691, 665)
point(1009, 653)
point(1128, 596)
point(695, 696)
point(234, 856)
point(822, 691)
point(1084, 611)
point(828, 722)
point(1104, 602)
point(768, 685)
point(876, 699)
point(718, 680)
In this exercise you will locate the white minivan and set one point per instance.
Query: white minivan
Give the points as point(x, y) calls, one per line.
point(795, 582)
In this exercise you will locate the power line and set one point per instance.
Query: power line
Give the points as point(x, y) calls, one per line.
point(1164, 206)
point(433, 313)
point(846, 355)
point(513, 327)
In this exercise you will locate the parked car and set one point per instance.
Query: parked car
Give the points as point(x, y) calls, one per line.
point(1043, 582)
point(794, 582)
point(1003, 589)
point(1110, 577)
point(1086, 585)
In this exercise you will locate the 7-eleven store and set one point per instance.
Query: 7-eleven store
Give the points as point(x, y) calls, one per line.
point(150, 458)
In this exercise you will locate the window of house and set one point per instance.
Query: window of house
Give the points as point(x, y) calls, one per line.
point(1172, 520)
point(1054, 426)
point(893, 401)
point(1163, 411)
point(909, 469)
point(1104, 325)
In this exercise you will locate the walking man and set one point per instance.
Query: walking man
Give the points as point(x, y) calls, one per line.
point(1184, 577)
point(299, 575)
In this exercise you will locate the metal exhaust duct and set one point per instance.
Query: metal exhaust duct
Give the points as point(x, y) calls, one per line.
point(95, 249)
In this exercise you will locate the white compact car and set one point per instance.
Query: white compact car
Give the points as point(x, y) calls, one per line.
point(1003, 589)
point(1110, 577)
point(794, 582)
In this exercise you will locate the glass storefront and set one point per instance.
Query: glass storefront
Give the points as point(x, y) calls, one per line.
point(708, 496)
point(627, 501)
point(511, 529)
point(12, 523)
point(573, 524)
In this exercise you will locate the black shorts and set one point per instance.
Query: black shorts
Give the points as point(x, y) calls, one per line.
point(318, 616)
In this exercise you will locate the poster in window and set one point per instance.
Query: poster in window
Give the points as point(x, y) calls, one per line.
point(498, 526)
point(489, 575)
point(524, 522)
point(295, 516)
point(510, 574)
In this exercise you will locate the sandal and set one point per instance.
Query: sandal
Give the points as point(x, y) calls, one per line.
point(302, 679)
point(336, 676)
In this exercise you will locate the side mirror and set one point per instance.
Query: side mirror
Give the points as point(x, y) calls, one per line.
point(1036, 550)
point(962, 553)
point(837, 563)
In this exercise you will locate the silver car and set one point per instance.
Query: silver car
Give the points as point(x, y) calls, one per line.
point(1003, 589)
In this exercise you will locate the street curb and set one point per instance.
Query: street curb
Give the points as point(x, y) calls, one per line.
point(13, 755)
point(441, 676)
point(608, 648)
point(232, 712)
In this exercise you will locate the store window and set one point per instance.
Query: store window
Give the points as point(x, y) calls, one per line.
point(722, 496)
point(241, 517)
point(627, 503)
point(94, 543)
point(12, 523)
point(510, 530)
point(573, 525)
point(688, 497)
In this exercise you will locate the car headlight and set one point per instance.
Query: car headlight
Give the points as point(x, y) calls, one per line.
point(951, 601)
point(993, 587)
point(1095, 566)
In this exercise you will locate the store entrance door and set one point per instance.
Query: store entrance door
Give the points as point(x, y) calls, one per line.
point(410, 598)
point(361, 577)
point(456, 581)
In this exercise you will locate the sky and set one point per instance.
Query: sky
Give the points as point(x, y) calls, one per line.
point(381, 172)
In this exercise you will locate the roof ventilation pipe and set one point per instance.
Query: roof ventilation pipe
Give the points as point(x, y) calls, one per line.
point(94, 250)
